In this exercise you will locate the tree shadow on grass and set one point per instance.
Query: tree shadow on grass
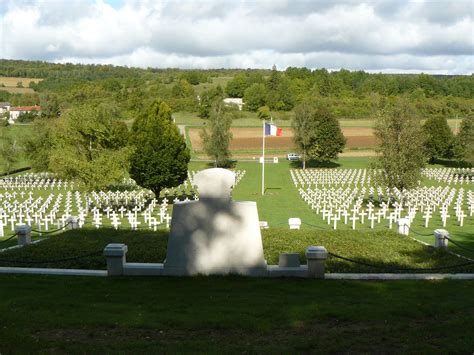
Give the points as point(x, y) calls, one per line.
point(424, 260)
point(450, 163)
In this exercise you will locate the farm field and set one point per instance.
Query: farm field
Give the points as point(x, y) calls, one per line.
point(247, 141)
point(251, 139)
point(250, 119)
point(10, 84)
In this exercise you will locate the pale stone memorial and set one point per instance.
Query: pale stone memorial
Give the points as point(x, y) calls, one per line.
point(215, 235)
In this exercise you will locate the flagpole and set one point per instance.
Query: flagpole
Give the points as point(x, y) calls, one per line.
point(263, 158)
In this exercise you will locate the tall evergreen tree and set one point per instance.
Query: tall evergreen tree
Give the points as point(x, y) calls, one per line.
point(400, 146)
point(465, 140)
point(439, 139)
point(216, 137)
point(160, 158)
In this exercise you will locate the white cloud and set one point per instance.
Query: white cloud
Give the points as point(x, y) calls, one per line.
point(376, 35)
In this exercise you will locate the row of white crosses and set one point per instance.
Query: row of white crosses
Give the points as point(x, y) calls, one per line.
point(325, 193)
point(135, 208)
point(337, 177)
point(41, 181)
point(450, 175)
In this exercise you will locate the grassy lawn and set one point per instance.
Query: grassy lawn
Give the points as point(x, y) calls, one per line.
point(237, 314)
point(232, 315)
point(387, 249)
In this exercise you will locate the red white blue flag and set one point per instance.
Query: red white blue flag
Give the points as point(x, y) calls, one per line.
point(272, 130)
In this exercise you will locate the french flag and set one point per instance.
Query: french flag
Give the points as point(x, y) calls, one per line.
point(272, 130)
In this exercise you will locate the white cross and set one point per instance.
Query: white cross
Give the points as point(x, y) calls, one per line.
point(167, 219)
point(122, 210)
point(461, 216)
point(427, 217)
point(134, 224)
point(335, 219)
point(391, 218)
point(354, 218)
point(372, 220)
point(153, 222)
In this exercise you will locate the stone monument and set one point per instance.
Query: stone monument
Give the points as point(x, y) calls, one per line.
point(215, 235)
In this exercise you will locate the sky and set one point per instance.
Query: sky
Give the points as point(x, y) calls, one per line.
point(388, 36)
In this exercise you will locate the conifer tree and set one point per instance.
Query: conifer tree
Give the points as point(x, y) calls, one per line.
point(160, 158)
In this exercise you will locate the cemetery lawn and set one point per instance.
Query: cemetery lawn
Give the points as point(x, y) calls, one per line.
point(387, 251)
point(43, 314)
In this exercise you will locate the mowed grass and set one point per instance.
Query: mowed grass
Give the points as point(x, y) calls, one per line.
point(236, 314)
point(232, 315)
point(387, 251)
point(282, 201)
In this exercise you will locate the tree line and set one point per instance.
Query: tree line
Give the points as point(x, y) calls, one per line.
point(348, 94)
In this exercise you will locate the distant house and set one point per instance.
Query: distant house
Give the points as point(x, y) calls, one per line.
point(234, 101)
point(16, 111)
point(4, 107)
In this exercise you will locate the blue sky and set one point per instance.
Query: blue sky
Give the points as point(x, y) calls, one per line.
point(114, 3)
point(431, 36)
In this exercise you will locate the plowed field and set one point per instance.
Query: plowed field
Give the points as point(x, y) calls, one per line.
point(251, 138)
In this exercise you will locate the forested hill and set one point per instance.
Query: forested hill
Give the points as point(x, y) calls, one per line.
point(349, 94)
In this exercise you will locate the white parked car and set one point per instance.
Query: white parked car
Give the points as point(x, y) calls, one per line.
point(292, 156)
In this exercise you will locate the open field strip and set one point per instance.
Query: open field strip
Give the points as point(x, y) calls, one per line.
point(251, 138)
point(9, 81)
point(250, 119)
point(10, 84)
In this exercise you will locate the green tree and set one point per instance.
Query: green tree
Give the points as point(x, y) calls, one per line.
point(401, 150)
point(304, 125)
point(85, 144)
point(439, 139)
point(254, 97)
point(317, 133)
point(322, 83)
point(217, 136)
point(264, 113)
point(465, 140)
point(160, 158)
point(208, 98)
point(274, 79)
point(50, 106)
point(236, 87)
point(9, 150)
point(39, 145)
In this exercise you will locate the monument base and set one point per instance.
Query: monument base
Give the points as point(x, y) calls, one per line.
point(215, 237)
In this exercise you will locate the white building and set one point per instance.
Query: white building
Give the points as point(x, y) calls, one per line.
point(4, 107)
point(16, 111)
point(234, 101)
